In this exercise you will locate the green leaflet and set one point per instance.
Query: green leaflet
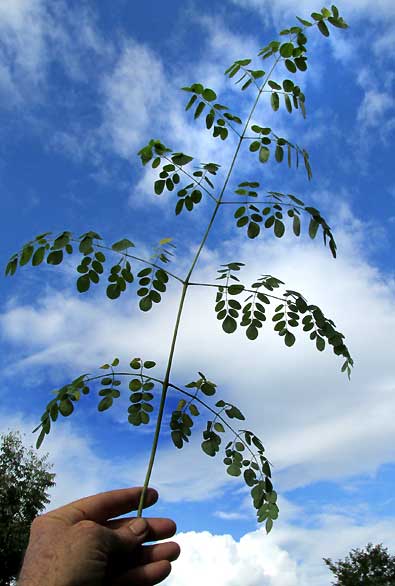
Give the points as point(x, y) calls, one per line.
point(26, 255)
point(55, 257)
point(11, 267)
point(313, 228)
point(289, 339)
point(122, 245)
point(105, 404)
point(253, 230)
point(181, 159)
point(66, 407)
point(264, 154)
point(83, 284)
point(286, 50)
point(229, 325)
point(209, 95)
point(275, 101)
point(304, 22)
point(323, 28)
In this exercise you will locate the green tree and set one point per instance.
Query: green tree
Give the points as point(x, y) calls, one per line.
point(254, 211)
point(372, 566)
point(24, 481)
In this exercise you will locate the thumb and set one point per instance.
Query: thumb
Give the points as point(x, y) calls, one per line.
point(119, 544)
point(133, 534)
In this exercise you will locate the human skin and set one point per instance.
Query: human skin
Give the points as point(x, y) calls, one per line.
point(81, 544)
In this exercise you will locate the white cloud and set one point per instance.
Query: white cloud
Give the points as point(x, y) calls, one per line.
point(72, 453)
point(284, 8)
point(289, 556)
point(136, 101)
point(131, 93)
point(385, 43)
point(36, 33)
point(223, 48)
point(219, 559)
point(229, 516)
point(22, 51)
point(140, 102)
point(373, 112)
point(377, 107)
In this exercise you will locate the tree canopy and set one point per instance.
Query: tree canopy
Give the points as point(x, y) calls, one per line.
point(372, 566)
point(24, 481)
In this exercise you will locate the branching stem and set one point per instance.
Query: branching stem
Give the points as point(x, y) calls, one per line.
point(193, 397)
point(147, 262)
point(185, 288)
point(190, 177)
point(244, 290)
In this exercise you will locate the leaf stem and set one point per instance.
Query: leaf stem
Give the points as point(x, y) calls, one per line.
point(147, 262)
point(271, 201)
point(244, 290)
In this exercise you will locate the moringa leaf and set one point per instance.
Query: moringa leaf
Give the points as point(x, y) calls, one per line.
point(105, 404)
point(229, 325)
point(209, 95)
point(83, 283)
point(264, 154)
point(66, 407)
point(122, 245)
point(286, 50)
point(26, 255)
point(11, 267)
point(275, 101)
point(40, 438)
point(323, 28)
point(55, 257)
point(289, 339)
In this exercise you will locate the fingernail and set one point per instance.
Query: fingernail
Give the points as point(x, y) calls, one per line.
point(138, 526)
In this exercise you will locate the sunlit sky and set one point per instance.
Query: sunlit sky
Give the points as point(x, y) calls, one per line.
point(85, 85)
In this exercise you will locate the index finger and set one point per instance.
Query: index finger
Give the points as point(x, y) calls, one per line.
point(103, 506)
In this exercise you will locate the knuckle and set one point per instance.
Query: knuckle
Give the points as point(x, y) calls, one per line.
point(38, 522)
point(89, 528)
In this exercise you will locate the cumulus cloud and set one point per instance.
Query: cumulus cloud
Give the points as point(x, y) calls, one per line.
point(289, 556)
point(221, 560)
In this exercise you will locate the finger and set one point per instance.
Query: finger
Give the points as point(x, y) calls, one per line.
point(143, 555)
point(147, 554)
point(145, 575)
point(159, 527)
point(104, 505)
point(125, 541)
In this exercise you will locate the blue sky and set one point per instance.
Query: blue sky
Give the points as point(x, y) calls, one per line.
point(83, 87)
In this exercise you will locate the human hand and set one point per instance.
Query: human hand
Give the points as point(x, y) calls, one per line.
point(81, 545)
